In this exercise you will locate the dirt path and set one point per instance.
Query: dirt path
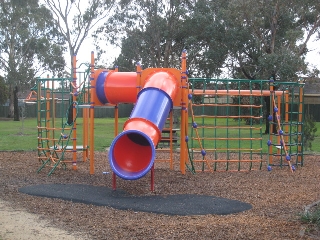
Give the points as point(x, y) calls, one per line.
point(19, 224)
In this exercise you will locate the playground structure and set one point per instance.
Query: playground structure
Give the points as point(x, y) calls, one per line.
point(58, 103)
point(155, 92)
point(227, 124)
point(103, 86)
point(289, 126)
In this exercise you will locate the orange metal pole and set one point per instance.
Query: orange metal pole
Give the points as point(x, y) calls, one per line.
point(48, 108)
point(39, 114)
point(300, 122)
point(278, 120)
point(184, 112)
point(171, 140)
point(116, 130)
point(53, 116)
point(278, 115)
point(271, 93)
point(287, 114)
point(116, 120)
point(74, 112)
point(85, 126)
point(116, 115)
point(139, 83)
point(92, 82)
point(234, 92)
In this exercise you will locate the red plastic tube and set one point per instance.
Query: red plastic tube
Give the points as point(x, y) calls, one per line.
point(132, 152)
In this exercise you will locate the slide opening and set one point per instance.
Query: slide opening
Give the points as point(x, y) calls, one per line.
point(100, 87)
point(131, 155)
point(138, 139)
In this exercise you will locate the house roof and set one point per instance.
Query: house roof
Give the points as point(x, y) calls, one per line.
point(312, 86)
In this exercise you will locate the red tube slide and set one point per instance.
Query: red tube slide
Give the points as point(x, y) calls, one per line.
point(132, 152)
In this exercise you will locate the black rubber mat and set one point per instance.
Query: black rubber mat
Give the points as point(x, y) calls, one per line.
point(184, 204)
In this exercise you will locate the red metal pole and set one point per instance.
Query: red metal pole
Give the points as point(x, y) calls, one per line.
point(152, 178)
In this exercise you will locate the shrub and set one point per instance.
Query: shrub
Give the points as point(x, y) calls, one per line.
point(309, 131)
point(311, 217)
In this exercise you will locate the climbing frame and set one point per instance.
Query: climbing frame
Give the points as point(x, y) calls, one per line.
point(59, 101)
point(226, 131)
point(286, 118)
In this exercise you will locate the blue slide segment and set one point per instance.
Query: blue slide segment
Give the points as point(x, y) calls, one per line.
point(132, 153)
point(100, 87)
point(155, 105)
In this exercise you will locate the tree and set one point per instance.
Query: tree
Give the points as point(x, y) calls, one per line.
point(251, 39)
point(269, 38)
point(150, 32)
point(206, 38)
point(3, 91)
point(29, 43)
point(76, 19)
point(309, 131)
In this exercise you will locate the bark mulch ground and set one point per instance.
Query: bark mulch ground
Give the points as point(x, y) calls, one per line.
point(277, 198)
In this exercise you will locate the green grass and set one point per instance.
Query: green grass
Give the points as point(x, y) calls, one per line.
point(22, 135)
point(18, 135)
point(236, 133)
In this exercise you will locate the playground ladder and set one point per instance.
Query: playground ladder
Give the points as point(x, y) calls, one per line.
point(55, 154)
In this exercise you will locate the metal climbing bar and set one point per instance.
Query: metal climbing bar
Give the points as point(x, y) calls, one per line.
point(59, 101)
point(226, 131)
point(286, 117)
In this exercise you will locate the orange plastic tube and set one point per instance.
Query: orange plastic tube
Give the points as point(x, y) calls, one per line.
point(116, 87)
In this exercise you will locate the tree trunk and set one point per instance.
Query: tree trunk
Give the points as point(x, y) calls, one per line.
point(11, 107)
point(16, 104)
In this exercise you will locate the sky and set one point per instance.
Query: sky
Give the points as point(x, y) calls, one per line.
point(313, 56)
point(84, 55)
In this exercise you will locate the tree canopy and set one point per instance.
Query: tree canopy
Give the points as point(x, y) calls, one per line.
point(253, 39)
point(150, 32)
point(247, 39)
point(29, 43)
point(3, 91)
point(269, 38)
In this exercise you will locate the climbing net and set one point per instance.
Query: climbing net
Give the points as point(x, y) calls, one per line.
point(227, 116)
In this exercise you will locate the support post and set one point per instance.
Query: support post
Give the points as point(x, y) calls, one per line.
point(92, 83)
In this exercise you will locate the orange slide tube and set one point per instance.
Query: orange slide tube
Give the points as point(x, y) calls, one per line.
point(116, 87)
